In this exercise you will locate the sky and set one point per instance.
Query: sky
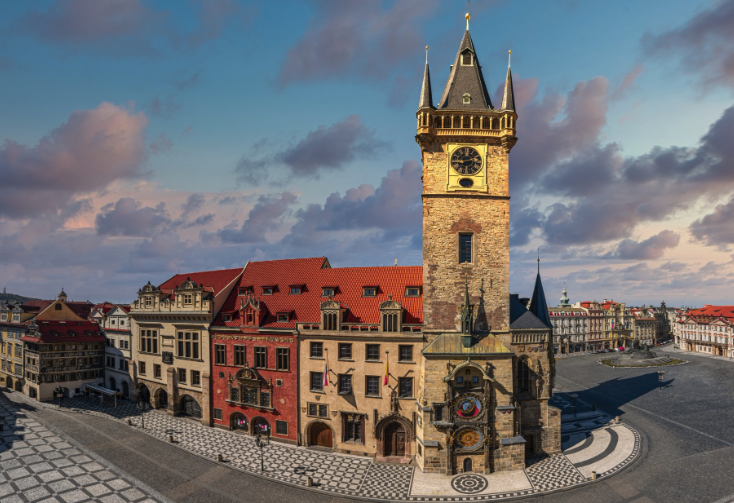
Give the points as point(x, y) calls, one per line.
point(143, 138)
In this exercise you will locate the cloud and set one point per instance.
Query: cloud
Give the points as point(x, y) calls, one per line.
point(357, 40)
point(716, 228)
point(129, 28)
point(365, 208)
point(649, 249)
point(160, 144)
point(164, 107)
point(628, 82)
point(87, 152)
point(193, 203)
point(703, 46)
point(127, 218)
point(328, 148)
point(266, 216)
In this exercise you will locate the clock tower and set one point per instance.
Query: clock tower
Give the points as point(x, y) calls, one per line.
point(481, 397)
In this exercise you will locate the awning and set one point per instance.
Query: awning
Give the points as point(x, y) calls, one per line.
point(101, 389)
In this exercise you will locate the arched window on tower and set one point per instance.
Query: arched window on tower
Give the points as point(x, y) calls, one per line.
point(466, 58)
point(523, 375)
point(467, 98)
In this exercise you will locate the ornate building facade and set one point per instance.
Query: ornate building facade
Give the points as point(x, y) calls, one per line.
point(488, 362)
point(170, 340)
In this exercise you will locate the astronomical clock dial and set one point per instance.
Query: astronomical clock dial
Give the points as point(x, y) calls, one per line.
point(466, 161)
point(468, 406)
point(468, 438)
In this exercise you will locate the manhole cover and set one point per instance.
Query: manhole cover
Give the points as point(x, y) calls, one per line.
point(469, 484)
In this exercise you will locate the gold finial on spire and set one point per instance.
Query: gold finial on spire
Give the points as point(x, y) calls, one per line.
point(509, 58)
point(426, 54)
point(468, 17)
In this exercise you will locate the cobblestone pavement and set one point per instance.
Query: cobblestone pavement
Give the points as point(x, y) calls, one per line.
point(36, 465)
point(359, 477)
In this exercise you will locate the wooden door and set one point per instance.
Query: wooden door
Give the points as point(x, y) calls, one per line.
point(394, 440)
point(321, 435)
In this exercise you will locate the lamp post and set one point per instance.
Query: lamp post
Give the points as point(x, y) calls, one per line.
point(574, 396)
point(660, 379)
point(261, 445)
point(59, 392)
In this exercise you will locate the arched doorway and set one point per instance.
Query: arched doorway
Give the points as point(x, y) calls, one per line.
point(238, 422)
point(143, 393)
point(125, 390)
point(113, 384)
point(162, 401)
point(394, 440)
point(467, 465)
point(9, 383)
point(320, 434)
point(260, 425)
point(190, 407)
point(18, 386)
point(32, 392)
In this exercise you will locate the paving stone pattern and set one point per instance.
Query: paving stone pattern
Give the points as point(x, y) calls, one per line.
point(331, 472)
point(36, 465)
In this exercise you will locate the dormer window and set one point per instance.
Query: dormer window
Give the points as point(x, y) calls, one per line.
point(187, 298)
point(413, 291)
point(327, 291)
point(467, 98)
point(148, 301)
point(250, 318)
point(58, 307)
point(226, 317)
point(369, 291)
point(267, 290)
point(245, 290)
point(283, 317)
point(296, 289)
point(466, 58)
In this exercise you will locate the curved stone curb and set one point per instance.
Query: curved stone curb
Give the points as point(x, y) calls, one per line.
point(601, 362)
point(365, 493)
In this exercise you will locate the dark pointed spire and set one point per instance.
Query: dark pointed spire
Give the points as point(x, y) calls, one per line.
point(426, 96)
point(508, 98)
point(466, 310)
point(538, 305)
point(466, 79)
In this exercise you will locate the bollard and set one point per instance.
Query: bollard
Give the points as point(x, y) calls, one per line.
point(220, 458)
point(593, 475)
point(309, 482)
point(616, 419)
point(170, 438)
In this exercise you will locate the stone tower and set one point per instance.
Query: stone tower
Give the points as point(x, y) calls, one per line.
point(486, 358)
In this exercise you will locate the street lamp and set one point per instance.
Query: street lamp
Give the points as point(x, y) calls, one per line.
point(59, 392)
point(261, 445)
point(660, 379)
point(574, 396)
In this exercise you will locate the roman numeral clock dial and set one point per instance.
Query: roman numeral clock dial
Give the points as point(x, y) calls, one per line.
point(466, 161)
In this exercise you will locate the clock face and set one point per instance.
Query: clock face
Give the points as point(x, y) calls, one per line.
point(466, 161)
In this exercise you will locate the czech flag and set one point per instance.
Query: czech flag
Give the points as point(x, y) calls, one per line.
point(326, 371)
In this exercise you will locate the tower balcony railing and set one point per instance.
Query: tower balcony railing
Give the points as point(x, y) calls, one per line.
point(528, 338)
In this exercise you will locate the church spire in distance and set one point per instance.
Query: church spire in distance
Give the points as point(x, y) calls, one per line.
point(426, 100)
point(538, 305)
point(508, 98)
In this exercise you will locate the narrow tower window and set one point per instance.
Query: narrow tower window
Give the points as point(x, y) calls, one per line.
point(467, 99)
point(466, 58)
point(465, 248)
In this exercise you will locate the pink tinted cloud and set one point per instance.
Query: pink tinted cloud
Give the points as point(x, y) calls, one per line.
point(87, 152)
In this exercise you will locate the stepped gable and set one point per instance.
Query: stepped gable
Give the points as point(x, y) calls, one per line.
point(313, 275)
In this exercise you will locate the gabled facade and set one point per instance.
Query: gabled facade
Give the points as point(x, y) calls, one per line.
point(118, 351)
point(170, 340)
point(709, 330)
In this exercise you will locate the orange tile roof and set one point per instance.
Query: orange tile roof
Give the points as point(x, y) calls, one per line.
point(315, 274)
point(212, 281)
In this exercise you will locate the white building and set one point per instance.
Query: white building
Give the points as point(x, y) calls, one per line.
point(115, 323)
point(570, 327)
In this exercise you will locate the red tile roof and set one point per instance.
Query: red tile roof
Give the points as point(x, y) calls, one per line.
point(36, 306)
point(315, 274)
point(105, 307)
point(213, 281)
point(66, 331)
point(712, 311)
